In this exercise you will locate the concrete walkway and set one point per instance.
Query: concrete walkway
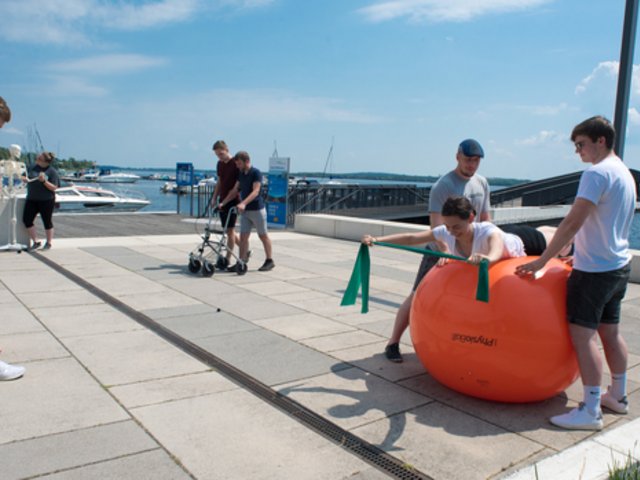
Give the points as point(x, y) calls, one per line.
point(104, 397)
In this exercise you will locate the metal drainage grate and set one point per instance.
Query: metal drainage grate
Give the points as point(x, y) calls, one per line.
point(368, 452)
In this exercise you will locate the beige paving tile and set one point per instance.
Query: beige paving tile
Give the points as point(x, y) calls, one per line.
point(44, 281)
point(341, 341)
point(371, 359)
point(218, 433)
point(62, 451)
point(274, 287)
point(156, 465)
point(447, 443)
point(160, 299)
point(17, 319)
point(175, 388)
point(127, 357)
point(352, 397)
point(301, 326)
point(28, 347)
point(124, 284)
point(79, 320)
point(49, 299)
point(61, 395)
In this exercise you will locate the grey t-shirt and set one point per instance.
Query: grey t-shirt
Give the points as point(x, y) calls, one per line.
point(476, 189)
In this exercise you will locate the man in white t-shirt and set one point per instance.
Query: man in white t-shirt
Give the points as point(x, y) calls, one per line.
point(461, 181)
point(600, 219)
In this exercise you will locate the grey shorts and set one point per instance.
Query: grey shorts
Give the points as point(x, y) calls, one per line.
point(595, 298)
point(254, 218)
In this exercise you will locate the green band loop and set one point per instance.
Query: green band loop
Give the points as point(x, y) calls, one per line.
point(362, 270)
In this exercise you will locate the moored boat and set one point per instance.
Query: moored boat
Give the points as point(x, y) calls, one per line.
point(76, 198)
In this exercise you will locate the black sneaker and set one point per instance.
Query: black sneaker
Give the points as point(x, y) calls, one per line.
point(46, 246)
point(392, 352)
point(267, 265)
point(222, 263)
point(238, 268)
point(34, 246)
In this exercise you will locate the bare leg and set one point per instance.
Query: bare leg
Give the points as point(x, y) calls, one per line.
point(402, 320)
point(231, 241)
point(49, 234)
point(615, 348)
point(33, 234)
point(244, 246)
point(266, 243)
point(587, 353)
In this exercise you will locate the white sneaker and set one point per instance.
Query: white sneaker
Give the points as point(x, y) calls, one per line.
point(618, 406)
point(578, 419)
point(10, 372)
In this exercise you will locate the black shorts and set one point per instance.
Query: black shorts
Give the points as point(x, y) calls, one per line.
point(43, 207)
point(596, 297)
point(533, 240)
point(228, 218)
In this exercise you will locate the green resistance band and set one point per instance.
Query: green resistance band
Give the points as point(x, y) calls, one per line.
point(362, 270)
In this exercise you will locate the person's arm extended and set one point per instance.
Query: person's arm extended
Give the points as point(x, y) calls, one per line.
point(485, 217)
point(496, 247)
point(254, 193)
point(410, 238)
point(567, 229)
point(233, 193)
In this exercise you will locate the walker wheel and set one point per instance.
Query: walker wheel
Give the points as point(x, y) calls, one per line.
point(208, 269)
point(194, 265)
point(222, 263)
point(241, 268)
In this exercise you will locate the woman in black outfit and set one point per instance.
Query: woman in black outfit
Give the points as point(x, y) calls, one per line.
point(43, 180)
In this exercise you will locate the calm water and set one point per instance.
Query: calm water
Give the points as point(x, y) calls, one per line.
point(167, 202)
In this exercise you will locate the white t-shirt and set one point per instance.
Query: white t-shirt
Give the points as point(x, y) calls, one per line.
point(602, 243)
point(513, 246)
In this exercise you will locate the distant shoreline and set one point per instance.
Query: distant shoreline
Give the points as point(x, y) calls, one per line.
point(354, 175)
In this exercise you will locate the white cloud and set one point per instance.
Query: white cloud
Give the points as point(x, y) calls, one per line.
point(108, 64)
point(74, 87)
point(543, 110)
point(543, 137)
point(634, 117)
point(280, 106)
point(66, 22)
point(443, 10)
point(607, 73)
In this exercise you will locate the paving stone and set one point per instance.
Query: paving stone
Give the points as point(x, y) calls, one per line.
point(184, 311)
point(174, 388)
point(216, 436)
point(448, 444)
point(156, 465)
point(32, 346)
point(165, 298)
point(302, 326)
point(62, 397)
point(80, 320)
point(47, 299)
point(17, 319)
point(34, 457)
point(125, 357)
point(269, 357)
point(204, 325)
point(352, 397)
point(341, 341)
point(47, 281)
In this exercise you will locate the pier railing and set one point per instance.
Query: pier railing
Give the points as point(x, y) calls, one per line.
point(330, 198)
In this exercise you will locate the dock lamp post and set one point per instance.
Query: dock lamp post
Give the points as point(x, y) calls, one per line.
point(625, 74)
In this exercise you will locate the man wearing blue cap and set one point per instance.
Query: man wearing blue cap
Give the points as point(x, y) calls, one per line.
point(461, 181)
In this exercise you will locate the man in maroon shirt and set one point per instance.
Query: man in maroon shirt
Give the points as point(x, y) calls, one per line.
point(224, 193)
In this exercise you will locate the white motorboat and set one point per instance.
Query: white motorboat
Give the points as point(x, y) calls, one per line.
point(118, 177)
point(84, 199)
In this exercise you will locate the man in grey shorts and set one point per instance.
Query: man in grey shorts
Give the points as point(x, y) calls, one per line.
point(252, 212)
point(461, 181)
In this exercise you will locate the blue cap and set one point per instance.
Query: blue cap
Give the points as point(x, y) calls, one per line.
point(471, 148)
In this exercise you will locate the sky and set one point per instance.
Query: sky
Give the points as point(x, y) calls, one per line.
point(392, 85)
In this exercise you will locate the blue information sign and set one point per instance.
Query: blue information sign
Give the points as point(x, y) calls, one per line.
point(184, 174)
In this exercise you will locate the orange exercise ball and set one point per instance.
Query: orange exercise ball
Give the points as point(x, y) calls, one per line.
point(515, 348)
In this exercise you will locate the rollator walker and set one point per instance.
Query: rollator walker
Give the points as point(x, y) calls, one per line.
point(211, 254)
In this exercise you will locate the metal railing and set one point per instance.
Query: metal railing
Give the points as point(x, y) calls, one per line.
point(324, 198)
